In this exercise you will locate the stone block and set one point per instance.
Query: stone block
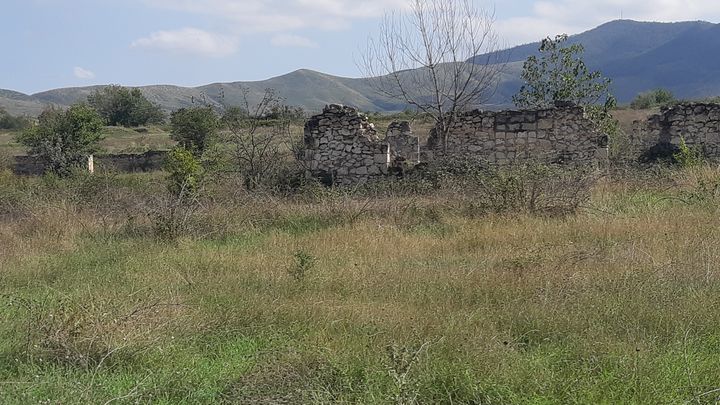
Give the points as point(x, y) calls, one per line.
point(545, 124)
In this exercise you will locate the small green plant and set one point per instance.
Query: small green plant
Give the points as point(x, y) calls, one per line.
point(401, 362)
point(304, 263)
point(185, 176)
point(184, 172)
point(687, 156)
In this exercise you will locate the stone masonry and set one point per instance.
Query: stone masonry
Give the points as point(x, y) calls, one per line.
point(556, 136)
point(124, 163)
point(404, 146)
point(660, 135)
point(342, 147)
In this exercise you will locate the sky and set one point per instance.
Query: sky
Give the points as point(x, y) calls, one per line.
point(60, 43)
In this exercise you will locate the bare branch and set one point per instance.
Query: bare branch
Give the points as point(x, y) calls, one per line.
point(428, 58)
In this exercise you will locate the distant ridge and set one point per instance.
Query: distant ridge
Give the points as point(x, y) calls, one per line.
point(683, 57)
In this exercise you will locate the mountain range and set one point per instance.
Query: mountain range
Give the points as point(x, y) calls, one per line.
point(683, 57)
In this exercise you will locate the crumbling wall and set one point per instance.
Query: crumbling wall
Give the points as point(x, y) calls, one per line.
point(124, 163)
point(342, 147)
point(660, 135)
point(404, 146)
point(561, 135)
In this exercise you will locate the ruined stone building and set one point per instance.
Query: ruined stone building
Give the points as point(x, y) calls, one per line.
point(343, 148)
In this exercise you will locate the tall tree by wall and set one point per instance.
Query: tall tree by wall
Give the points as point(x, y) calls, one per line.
point(560, 76)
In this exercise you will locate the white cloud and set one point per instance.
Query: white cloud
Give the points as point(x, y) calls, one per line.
point(528, 23)
point(548, 17)
point(294, 41)
point(189, 41)
point(283, 15)
point(84, 74)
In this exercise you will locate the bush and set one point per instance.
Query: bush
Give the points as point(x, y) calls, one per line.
point(185, 176)
point(687, 156)
point(256, 133)
point(653, 99)
point(193, 128)
point(64, 139)
point(184, 172)
point(126, 107)
point(525, 187)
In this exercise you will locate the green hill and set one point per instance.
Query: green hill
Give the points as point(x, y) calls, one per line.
point(639, 56)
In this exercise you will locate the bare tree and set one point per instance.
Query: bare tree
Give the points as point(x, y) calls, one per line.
point(256, 134)
point(430, 58)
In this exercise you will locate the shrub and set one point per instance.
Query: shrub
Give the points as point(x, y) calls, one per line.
point(687, 156)
point(175, 212)
point(256, 134)
point(524, 187)
point(193, 128)
point(653, 99)
point(184, 172)
point(64, 139)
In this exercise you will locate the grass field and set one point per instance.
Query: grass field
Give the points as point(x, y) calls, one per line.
point(329, 297)
point(116, 140)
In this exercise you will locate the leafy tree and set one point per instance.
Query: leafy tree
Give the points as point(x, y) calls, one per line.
point(653, 99)
point(193, 128)
point(64, 138)
point(126, 107)
point(559, 76)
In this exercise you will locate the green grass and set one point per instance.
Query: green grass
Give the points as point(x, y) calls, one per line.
point(128, 140)
point(617, 304)
point(8, 145)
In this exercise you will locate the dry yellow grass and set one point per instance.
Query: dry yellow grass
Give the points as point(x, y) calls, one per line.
point(618, 304)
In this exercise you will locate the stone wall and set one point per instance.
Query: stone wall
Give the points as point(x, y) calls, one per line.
point(342, 147)
point(562, 136)
point(660, 135)
point(126, 163)
point(404, 146)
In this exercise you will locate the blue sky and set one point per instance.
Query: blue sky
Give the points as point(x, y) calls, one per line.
point(58, 43)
